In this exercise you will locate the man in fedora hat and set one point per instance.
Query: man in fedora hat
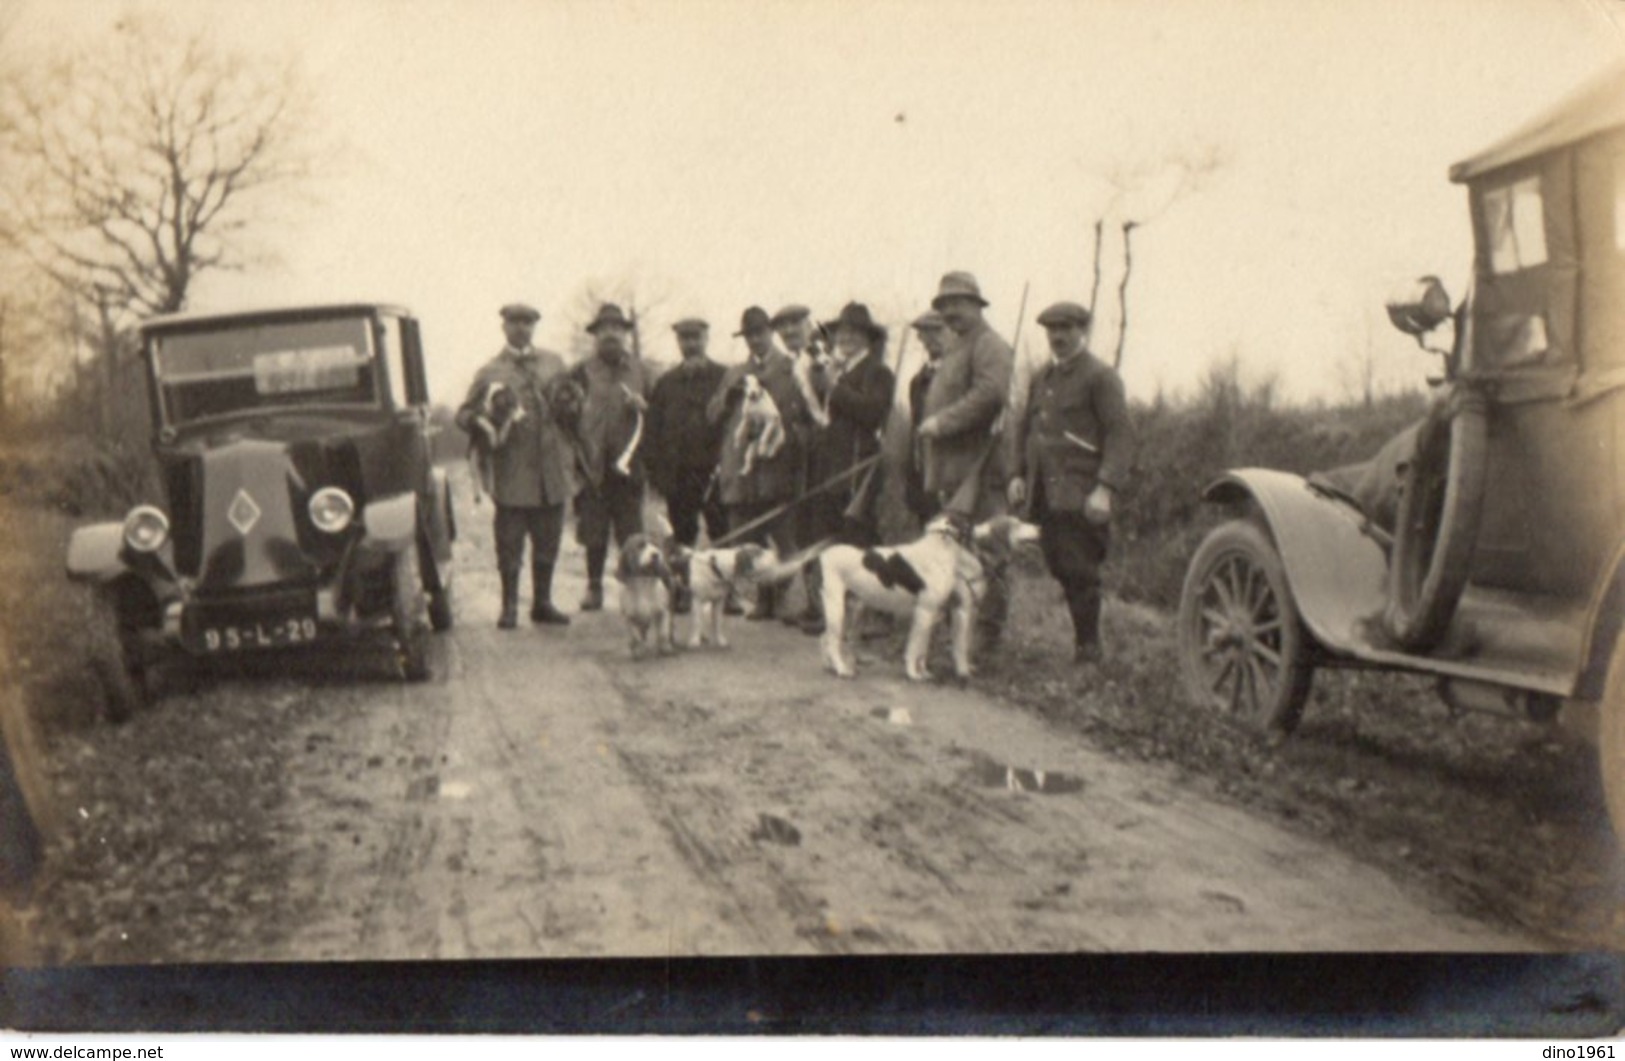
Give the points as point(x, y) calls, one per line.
point(611, 436)
point(531, 468)
point(964, 470)
point(861, 385)
point(682, 446)
point(1072, 452)
point(933, 333)
point(772, 481)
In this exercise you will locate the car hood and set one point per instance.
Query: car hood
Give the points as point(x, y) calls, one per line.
point(239, 497)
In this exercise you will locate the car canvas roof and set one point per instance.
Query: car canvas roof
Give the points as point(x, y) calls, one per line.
point(178, 322)
point(1595, 107)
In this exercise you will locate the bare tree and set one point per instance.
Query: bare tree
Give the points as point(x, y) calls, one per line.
point(138, 164)
point(1137, 196)
point(644, 298)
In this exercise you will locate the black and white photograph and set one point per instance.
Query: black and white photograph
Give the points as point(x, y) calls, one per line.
point(537, 479)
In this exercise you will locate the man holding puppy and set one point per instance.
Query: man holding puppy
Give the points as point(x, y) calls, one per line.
point(1073, 450)
point(753, 487)
point(531, 474)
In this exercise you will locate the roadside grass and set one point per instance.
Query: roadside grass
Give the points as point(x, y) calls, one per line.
point(1503, 814)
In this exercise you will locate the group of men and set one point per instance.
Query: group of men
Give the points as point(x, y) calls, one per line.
point(601, 432)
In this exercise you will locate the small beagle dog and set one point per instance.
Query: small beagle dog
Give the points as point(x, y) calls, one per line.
point(936, 572)
point(760, 433)
point(710, 575)
point(646, 592)
point(497, 411)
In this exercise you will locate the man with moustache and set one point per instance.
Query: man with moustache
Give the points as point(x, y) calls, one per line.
point(615, 390)
point(531, 469)
point(682, 446)
point(1073, 450)
point(964, 468)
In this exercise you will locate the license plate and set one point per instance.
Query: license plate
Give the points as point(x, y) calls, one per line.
point(267, 633)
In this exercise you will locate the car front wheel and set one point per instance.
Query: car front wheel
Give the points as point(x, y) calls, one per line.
point(1243, 651)
point(409, 618)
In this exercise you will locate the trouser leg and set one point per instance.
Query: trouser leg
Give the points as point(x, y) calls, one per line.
point(546, 528)
point(683, 507)
point(1074, 550)
point(592, 531)
point(509, 531)
point(624, 500)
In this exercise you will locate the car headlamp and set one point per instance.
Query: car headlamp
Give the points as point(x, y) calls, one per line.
point(331, 509)
point(146, 529)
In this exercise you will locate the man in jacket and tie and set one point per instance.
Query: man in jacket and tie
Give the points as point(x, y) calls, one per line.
point(1073, 451)
point(531, 466)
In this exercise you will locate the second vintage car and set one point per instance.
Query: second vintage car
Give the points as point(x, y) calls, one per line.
point(300, 501)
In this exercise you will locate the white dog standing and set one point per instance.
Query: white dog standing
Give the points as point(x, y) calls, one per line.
point(921, 579)
point(710, 575)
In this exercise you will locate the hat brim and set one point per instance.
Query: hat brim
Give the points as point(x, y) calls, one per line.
point(528, 318)
point(942, 300)
point(592, 329)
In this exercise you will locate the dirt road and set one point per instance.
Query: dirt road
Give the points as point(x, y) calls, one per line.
point(546, 796)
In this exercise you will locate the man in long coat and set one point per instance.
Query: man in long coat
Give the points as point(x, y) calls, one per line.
point(1073, 449)
point(531, 468)
point(964, 468)
point(774, 480)
point(615, 388)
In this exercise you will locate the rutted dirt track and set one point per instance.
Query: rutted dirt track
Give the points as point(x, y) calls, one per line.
point(546, 796)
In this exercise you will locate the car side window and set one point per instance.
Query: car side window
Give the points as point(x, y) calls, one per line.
point(1515, 218)
point(390, 360)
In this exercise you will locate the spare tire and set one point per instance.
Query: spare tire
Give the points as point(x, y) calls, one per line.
point(1436, 527)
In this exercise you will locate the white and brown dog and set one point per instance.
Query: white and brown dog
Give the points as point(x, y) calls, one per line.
point(495, 414)
point(937, 572)
point(710, 575)
point(760, 433)
point(646, 590)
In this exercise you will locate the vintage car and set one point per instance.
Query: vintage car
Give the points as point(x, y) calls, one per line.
point(1499, 566)
point(301, 504)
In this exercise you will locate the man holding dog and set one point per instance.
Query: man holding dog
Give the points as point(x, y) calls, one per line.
point(964, 468)
point(1073, 450)
point(615, 389)
point(772, 481)
point(531, 469)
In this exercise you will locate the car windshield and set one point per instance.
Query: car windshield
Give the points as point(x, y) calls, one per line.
point(245, 368)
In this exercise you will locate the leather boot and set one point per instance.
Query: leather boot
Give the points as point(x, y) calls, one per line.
point(812, 616)
point(510, 600)
point(541, 597)
point(594, 599)
point(767, 598)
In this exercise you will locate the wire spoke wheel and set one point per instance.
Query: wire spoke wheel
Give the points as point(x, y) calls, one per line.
point(1243, 652)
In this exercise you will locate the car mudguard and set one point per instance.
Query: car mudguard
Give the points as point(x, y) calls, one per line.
point(391, 523)
point(1335, 566)
point(96, 553)
point(1605, 620)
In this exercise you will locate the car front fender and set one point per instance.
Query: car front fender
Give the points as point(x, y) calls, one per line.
point(1335, 566)
point(96, 553)
point(391, 523)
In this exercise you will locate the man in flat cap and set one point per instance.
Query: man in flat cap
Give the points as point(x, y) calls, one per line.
point(933, 333)
point(774, 480)
point(612, 436)
point(1073, 449)
point(531, 466)
point(964, 468)
point(682, 445)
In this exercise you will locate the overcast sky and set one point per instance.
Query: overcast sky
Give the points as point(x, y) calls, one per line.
point(727, 152)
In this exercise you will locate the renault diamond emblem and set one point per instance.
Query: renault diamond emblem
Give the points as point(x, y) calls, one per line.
point(243, 513)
